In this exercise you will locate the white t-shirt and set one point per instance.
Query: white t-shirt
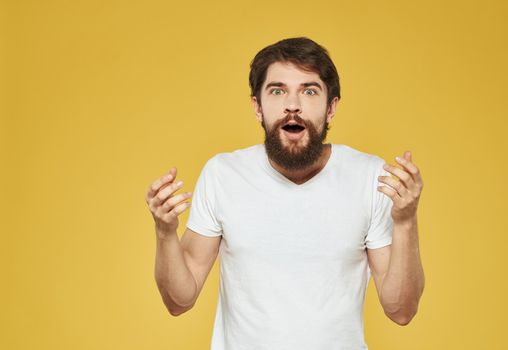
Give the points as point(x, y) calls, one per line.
point(293, 260)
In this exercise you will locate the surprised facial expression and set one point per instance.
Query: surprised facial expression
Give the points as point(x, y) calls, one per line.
point(294, 115)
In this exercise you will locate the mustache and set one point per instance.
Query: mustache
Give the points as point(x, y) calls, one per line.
point(292, 116)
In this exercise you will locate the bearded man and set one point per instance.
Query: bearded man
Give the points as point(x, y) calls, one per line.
point(300, 226)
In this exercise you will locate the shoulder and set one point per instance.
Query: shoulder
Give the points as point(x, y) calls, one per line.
point(350, 156)
point(235, 159)
point(247, 154)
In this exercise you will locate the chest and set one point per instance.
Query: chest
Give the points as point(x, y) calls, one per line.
point(322, 223)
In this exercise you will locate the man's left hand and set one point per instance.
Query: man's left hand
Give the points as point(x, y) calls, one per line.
point(405, 191)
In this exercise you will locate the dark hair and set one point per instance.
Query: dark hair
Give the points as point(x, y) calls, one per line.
point(302, 52)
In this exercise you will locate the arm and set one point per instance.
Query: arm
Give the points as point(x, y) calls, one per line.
point(181, 268)
point(397, 269)
point(176, 283)
point(398, 273)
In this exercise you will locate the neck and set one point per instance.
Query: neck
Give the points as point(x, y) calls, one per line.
point(303, 175)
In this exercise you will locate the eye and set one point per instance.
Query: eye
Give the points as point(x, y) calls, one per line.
point(276, 89)
point(314, 92)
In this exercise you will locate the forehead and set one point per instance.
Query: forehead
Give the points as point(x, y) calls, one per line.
point(289, 74)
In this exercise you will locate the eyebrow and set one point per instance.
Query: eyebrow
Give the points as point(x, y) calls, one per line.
point(279, 84)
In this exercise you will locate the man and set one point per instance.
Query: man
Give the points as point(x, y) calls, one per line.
point(300, 225)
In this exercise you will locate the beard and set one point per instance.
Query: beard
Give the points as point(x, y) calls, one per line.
point(294, 156)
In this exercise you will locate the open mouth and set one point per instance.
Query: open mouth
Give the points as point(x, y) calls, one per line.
point(293, 128)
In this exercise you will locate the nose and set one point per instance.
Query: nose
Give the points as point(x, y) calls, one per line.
point(292, 104)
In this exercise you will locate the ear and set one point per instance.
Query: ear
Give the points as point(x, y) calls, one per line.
point(331, 109)
point(257, 109)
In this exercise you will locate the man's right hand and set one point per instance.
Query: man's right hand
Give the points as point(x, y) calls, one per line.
point(164, 206)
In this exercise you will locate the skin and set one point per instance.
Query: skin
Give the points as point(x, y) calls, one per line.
point(306, 105)
point(397, 269)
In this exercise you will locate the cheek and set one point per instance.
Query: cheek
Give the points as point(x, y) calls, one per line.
point(272, 104)
point(318, 103)
point(272, 111)
point(314, 109)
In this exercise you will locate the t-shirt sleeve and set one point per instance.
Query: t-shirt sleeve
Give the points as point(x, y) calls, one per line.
point(380, 230)
point(203, 214)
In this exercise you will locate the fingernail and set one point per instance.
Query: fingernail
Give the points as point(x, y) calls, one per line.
point(179, 183)
point(398, 159)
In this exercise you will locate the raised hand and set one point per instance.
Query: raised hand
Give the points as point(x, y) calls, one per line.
point(164, 206)
point(405, 192)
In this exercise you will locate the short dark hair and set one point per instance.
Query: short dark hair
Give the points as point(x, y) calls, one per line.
point(302, 52)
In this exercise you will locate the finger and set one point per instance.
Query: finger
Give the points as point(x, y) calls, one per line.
point(403, 175)
point(176, 211)
point(407, 164)
point(390, 192)
point(163, 194)
point(413, 170)
point(160, 182)
point(169, 204)
point(394, 184)
point(172, 173)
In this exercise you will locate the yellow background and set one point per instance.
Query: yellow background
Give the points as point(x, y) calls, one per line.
point(100, 98)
